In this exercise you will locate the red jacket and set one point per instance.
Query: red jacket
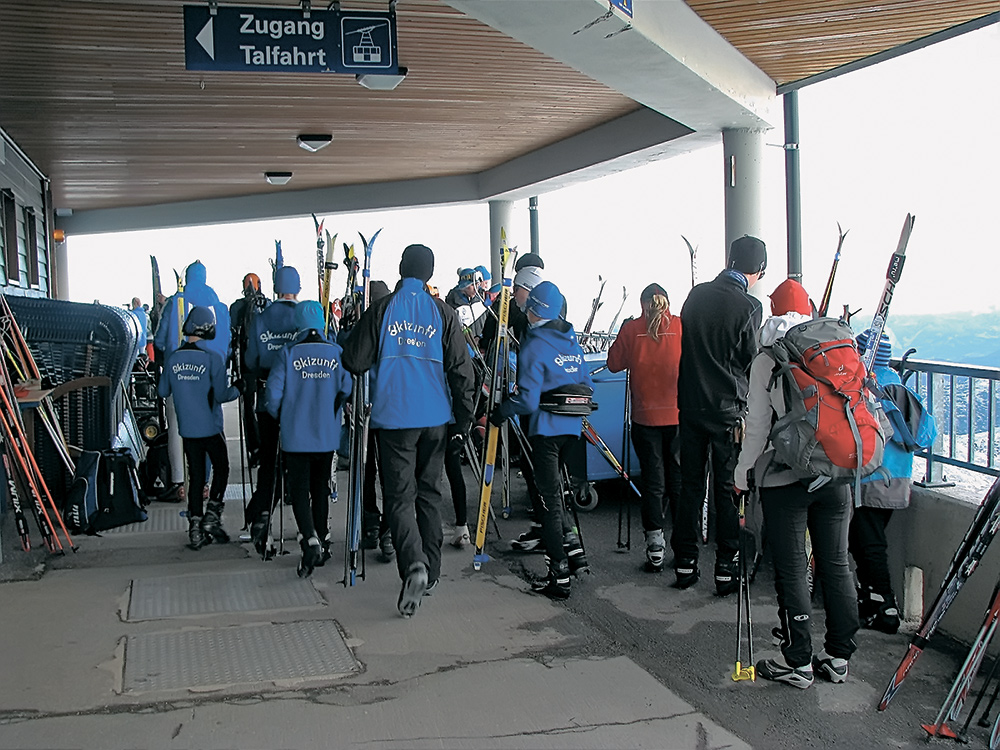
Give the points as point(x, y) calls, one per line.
point(652, 367)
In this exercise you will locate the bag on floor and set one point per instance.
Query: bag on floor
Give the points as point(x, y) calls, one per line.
point(117, 491)
point(81, 501)
point(834, 429)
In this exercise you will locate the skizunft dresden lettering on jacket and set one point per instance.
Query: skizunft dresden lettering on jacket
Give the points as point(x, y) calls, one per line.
point(196, 377)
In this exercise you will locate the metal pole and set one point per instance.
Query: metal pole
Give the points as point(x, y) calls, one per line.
point(793, 193)
point(533, 223)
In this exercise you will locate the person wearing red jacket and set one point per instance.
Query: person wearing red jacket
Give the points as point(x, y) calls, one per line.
point(650, 349)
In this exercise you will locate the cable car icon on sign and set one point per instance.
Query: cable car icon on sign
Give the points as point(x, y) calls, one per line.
point(366, 51)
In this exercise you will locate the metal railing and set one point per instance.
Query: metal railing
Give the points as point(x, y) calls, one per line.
point(965, 402)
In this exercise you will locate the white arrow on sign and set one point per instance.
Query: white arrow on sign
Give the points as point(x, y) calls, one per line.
point(206, 38)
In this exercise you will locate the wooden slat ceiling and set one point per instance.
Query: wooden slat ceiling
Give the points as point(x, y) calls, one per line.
point(795, 39)
point(96, 93)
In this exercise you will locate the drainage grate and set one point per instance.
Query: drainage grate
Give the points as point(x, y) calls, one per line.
point(240, 655)
point(157, 519)
point(183, 596)
point(235, 492)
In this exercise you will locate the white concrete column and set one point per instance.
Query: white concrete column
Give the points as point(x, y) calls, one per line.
point(59, 263)
point(500, 218)
point(743, 154)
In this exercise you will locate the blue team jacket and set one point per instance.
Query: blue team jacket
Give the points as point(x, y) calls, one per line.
point(305, 390)
point(269, 332)
point(550, 357)
point(196, 292)
point(196, 377)
point(409, 389)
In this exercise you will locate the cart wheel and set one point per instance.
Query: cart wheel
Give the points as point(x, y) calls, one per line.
point(587, 501)
point(150, 430)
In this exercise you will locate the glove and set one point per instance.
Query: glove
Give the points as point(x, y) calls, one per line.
point(457, 439)
point(497, 418)
point(238, 385)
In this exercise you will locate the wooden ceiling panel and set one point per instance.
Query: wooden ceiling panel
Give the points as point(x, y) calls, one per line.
point(794, 39)
point(95, 91)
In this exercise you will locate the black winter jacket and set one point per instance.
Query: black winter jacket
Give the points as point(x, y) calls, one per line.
point(718, 343)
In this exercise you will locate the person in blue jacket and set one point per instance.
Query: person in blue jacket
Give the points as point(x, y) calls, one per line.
point(305, 391)
point(886, 490)
point(414, 345)
point(168, 337)
point(196, 378)
point(269, 332)
point(550, 358)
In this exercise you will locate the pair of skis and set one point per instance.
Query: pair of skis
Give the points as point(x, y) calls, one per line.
point(360, 423)
point(499, 374)
point(325, 266)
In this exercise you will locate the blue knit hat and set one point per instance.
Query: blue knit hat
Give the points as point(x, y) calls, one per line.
point(286, 281)
point(466, 276)
point(884, 352)
point(483, 272)
point(309, 314)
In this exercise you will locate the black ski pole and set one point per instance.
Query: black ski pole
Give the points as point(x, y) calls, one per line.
point(824, 304)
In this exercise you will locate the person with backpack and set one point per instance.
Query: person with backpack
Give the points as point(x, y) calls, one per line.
point(886, 490)
point(718, 343)
point(241, 316)
point(414, 344)
point(306, 389)
point(650, 349)
point(791, 509)
point(269, 332)
point(550, 365)
point(195, 377)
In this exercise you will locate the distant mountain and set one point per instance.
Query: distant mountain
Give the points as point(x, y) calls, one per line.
point(960, 338)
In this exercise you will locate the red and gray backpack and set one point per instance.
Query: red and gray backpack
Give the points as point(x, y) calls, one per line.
point(834, 429)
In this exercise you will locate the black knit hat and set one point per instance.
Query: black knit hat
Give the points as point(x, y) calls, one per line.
point(377, 290)
point(651, 291)
point(529, 259)
point(417, 263)
point(748, 255)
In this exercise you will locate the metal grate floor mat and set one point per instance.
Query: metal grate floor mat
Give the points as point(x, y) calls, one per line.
point(214, 593)
point(240, 655)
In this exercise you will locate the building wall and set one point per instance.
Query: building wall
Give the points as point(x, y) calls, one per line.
point(24, 223)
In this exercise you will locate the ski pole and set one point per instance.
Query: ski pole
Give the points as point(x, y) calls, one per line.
point(984, 720)
point(824, 305)
point(975, 706)
point(741, 672)
point(626, 429)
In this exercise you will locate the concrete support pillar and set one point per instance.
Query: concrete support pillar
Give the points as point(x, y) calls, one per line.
point(793, 192)
point(58, 270)
point(743, 153)
point(533, 223)
point(500, 218)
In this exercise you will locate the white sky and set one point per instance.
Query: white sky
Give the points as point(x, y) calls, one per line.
point(915, 134)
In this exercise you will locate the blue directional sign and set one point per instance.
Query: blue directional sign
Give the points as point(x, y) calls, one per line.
point(282, 40)
point(625, 6)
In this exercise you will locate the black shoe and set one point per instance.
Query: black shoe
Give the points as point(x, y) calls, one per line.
point(727, 577)
point(556, 585)
point(687, 574)
point(369, 530)
point(530, 540)
point(253, 459)
point(575, 556)
point(386, 551)
point(777, 670)
point(311, 554)
point(413, 589)
point(878, 611)
point(259, 532)
point(325, 554)
point(172, 494)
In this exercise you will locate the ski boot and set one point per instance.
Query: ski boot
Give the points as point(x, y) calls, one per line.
point(530, 540)
point(575, 556)
point(386, 551)
point(259, 532)
point(369, 533)
point(196, 537)
point(555, 585)
point(655, 550)
point(312, 553)
point(414, 586)
point(727, 578)
point(687, 573)
point(172, 494)
point(211, 524)
point(878, 611)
